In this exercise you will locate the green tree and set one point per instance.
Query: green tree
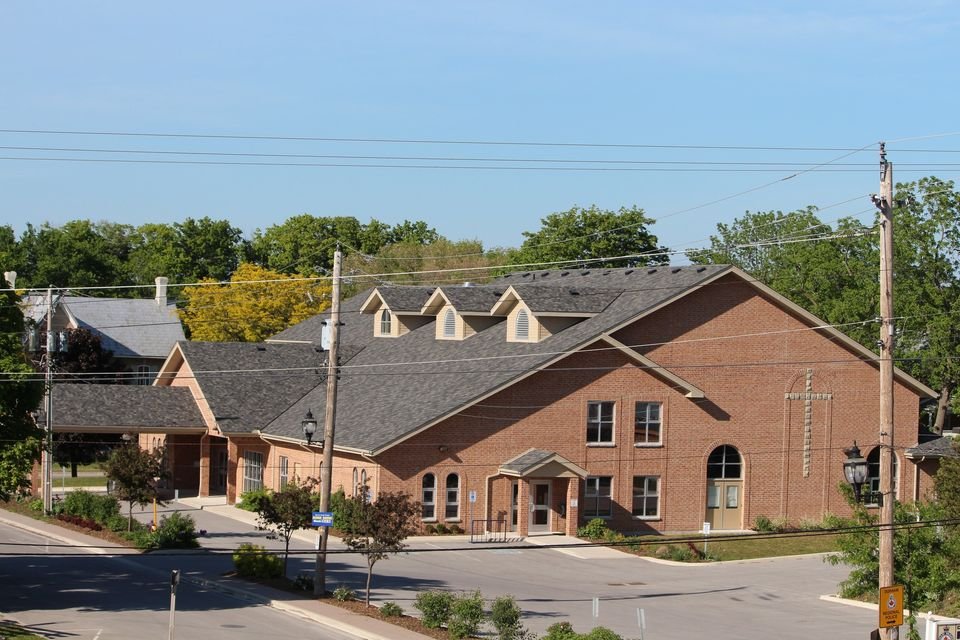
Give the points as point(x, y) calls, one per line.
point(157, 250)
point(593, 234)
point(377, 529)
point(213, 248)
point(78, 254)
point(257, 304)
point(136, 473)
point(21, 392)
point(418, 263)
point(947, 484)
point(288, 510)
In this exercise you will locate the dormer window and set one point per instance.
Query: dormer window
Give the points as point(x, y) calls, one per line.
point(522, 328)
point(386, 323)
point(449, 324)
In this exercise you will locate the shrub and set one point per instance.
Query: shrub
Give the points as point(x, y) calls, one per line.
point(442, 529)
point(80, 521)
point(677, 553)
point(601, 633)
point(92, 506)
point(560, 631)
point(456, 529)
point(141, 537)
point(596, 529)
point(391, 610)
point(35, 504)
point(251, 500)
point(117, 523)
point(434, 607)
point(343, 593)
point(763, 524)
point(254, 561)
point(505, 616)
point(466, 616)
point(176, 532)
point(431, 529)
point(303, 582)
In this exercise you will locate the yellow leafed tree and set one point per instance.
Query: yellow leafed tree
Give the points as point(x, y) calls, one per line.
point(256, 304)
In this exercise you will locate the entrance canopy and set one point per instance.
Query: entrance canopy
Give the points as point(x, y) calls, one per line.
point(124, 408)
point(541, 464)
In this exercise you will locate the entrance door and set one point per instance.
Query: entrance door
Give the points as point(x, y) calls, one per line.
point(724, 489)
point(539, 506)
point(514, 500)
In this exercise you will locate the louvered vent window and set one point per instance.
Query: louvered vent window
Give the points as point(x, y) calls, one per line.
point(449, 324)
point(523, 325)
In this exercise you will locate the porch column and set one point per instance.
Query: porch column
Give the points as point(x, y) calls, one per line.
point(573, 505)
point(204, 490)
point(233, 463)
point(523, 507)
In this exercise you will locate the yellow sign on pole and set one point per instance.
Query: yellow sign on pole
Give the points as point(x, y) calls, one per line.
point(891, 606)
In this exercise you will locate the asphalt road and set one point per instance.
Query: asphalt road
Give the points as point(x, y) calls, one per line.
point(84, 596)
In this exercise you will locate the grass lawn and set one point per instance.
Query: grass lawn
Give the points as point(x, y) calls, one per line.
point(80, 481)
point(730, 547)
point(12, 631)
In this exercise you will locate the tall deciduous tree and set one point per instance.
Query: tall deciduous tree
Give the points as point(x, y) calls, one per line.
point(288, 510)
point(136, 474)
point(78, 254)
point(415, 263)
point(593, 235)
point(21, 392)
point(257, 304)
point(377, 529)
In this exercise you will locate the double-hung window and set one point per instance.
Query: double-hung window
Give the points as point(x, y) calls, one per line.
point(452, 501)
point(647, 425)
point(600, 422)
point(252, 471)
point(284, 471)
point(646, 496)
point(428, 492)
point(597, 501)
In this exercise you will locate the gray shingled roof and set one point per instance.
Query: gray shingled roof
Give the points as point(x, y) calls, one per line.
point(474, 298)
point(565, 298)
point(942, 447)
point(405, 298)
point(130, 328)
point(119, 406)
point(396, 386)
point(526, 460)
point(247, 385)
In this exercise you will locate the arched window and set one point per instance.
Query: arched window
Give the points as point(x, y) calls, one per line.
point(871, 489)
point(386, 323)
point(428, 494)
point(362, 487)
point(522, 328)
point(449, 324)
point(356, 480)
point(452, 502)
point(724, 463)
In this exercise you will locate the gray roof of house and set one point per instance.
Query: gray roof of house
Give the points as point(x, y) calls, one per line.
point(401, 299)
point(247, 385)
point(473, 298)
point(393, 387)
point(117, 406)
point(565, 298)
point(526, 460)
point(942, 447)
point(130, 328)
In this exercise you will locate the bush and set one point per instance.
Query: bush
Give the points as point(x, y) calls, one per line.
point(505, 616)
point(442, 529)
point(35, 504)
point(560, 631)
point(303, 582)
point(434, 607)
point(80, 521)
point(141, 537)
point(391, 610)
point(466, 616)
point(763, 524)
point(92, 506)
point(596, 529)
point(251, 500)
point(343, 593)
point(601, 633)
point(117, 523)
point(176, 532)
point(254, 561)
point(456, 529)
point(431, 529)
point(677, 553)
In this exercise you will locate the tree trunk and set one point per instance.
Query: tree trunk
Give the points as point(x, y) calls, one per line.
point(73, 469)
point(130, 516)
point(943, 402)
point(369, 580)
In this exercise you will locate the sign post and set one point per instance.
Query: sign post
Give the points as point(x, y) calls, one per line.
point(322, 519)
point(891, 606)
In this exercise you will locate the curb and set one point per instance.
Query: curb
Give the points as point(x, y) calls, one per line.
point(54, 536)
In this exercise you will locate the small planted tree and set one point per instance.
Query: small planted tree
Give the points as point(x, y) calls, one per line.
point(135, 474)
point(377, 529)
point(288, 510)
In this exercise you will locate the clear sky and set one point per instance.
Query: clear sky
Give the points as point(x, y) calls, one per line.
point(826, 75)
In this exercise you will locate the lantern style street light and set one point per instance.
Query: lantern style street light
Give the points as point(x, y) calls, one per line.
point(309, 424)
point(855, 469)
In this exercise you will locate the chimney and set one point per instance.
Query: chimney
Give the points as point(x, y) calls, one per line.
point(11, 278)
point(161, 291)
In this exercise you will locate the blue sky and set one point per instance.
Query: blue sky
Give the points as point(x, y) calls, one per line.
point(831, 76)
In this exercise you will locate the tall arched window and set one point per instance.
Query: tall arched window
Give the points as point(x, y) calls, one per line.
point(386, 323)
point(362, 487)
point(428, 492)
point(356, 480)
point(452, 501)
point(449, 324)
point(522, 328)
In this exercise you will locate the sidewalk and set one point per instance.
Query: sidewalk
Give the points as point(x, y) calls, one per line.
point(327, 614)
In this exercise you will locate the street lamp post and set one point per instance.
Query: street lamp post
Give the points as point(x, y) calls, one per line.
point(856, 470)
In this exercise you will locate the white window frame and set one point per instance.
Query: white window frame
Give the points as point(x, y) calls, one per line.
point(871, 487)
point(451, 495)
point(521, 332)
point(597, 424)
point(145, 375)
point(648, 489)
point(643, 421)
point(449, 329)
point(284, 467)
point(252, 471)
point(428, 497)
point(386, 322)
point(597, 489)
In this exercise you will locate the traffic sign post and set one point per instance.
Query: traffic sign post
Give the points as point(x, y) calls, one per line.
point(891, 606)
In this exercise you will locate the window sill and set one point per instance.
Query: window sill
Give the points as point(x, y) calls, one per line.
point(588, 518)
point(648, 445)
point(428, 519)
point(647, 518)
point(601, 444)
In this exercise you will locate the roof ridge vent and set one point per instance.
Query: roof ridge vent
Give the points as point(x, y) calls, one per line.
point(675, 270)
point(651, 271)
point(701, 269)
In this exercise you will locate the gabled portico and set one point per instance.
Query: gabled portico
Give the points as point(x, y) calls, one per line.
point(544, 492)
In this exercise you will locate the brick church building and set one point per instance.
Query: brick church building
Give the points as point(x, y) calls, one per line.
point(657, 399)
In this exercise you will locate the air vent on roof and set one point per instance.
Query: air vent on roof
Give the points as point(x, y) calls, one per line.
point(468, 284)
point(544, 274)
point(564, 273)
point(583, 273)
point(574, 292)
point(701, 269)
point(675, 270)
point(526, 275)
point(261, 347)
point(651, 271)
point(628, 272)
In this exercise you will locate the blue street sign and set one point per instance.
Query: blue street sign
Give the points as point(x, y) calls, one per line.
point(322, 519)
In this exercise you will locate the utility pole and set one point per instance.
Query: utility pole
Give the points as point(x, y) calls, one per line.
point(329, 423)
point(884, 203)
point(47, 456)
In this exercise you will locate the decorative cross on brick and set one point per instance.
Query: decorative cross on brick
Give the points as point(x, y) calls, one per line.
point(808, 396)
